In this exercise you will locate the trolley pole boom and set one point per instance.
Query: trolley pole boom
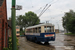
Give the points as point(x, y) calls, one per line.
point(45, 8)
point(13, 25)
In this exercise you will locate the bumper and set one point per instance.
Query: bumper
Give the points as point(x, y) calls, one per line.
point(47, 39)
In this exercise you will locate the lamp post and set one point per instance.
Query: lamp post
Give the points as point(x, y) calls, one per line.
point(14, 46)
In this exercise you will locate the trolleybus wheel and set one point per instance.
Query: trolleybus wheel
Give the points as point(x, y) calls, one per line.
point(27, 38)
point(35, 39)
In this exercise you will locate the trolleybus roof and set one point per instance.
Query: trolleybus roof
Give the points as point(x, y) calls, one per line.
point(39, 25)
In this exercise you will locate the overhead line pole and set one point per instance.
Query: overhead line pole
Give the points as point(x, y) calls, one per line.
point(13, 15)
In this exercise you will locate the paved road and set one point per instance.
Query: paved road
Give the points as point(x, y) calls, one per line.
point(62, 42)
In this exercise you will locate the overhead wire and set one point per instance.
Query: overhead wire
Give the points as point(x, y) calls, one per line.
point(31, 4)
point(44, 10)
point(50, 1)
point(54, 2)
point(47, 7)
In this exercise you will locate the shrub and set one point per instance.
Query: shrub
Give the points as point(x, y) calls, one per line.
point(5, 49)
point(10, 44)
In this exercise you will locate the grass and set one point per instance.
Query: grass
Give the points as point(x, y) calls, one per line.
point(70, 33)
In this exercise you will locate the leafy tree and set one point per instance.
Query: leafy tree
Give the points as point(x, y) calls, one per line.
point(27, 20)
point(19, 20)
point(69, 21)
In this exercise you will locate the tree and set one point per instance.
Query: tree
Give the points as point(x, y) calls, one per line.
point(19, 21)
point(69, 21)
point(27, 20)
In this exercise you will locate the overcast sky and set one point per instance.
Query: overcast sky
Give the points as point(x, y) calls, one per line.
point(53, 14)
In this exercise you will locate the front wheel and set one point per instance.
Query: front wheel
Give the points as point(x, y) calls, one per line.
point(35, 39)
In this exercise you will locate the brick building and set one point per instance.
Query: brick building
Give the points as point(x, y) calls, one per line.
point(3, 25)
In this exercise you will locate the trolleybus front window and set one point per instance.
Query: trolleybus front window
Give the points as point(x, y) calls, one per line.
point(52, 29)
point(49, 29)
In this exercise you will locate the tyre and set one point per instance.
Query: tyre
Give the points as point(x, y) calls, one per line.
point(35, 39)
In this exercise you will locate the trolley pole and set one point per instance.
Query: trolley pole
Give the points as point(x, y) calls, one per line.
point(14, 46)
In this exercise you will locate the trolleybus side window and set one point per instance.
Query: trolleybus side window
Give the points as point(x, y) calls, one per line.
point(45, 29)
point(29, 31)
point(39, 30)
point(34, 30)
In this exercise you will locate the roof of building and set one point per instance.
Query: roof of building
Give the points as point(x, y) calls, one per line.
point(9, 23)
point(39, 25)
point(1, 1)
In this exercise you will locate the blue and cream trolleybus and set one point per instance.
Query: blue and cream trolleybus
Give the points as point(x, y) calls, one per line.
point(41, 33)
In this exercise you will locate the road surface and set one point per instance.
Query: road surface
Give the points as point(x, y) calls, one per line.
point(62, 42)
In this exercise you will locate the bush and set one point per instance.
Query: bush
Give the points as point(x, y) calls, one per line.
point(10, 44)
point(5, 49)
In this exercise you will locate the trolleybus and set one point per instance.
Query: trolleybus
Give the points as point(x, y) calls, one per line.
point(41, 33)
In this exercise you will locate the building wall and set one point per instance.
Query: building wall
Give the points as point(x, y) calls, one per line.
point(56, 30)
point(0, 34)
point(3, 11)
point(9, 32)
point(3, 26)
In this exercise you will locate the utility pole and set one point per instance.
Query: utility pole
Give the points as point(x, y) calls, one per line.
point(58, 27)
point(14, 46)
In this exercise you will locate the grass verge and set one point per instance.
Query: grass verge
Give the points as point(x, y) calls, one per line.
point(70, 33)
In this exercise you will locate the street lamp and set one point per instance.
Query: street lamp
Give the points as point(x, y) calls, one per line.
point(13, 23)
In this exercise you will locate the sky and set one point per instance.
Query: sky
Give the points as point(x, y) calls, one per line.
point(53, 14)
